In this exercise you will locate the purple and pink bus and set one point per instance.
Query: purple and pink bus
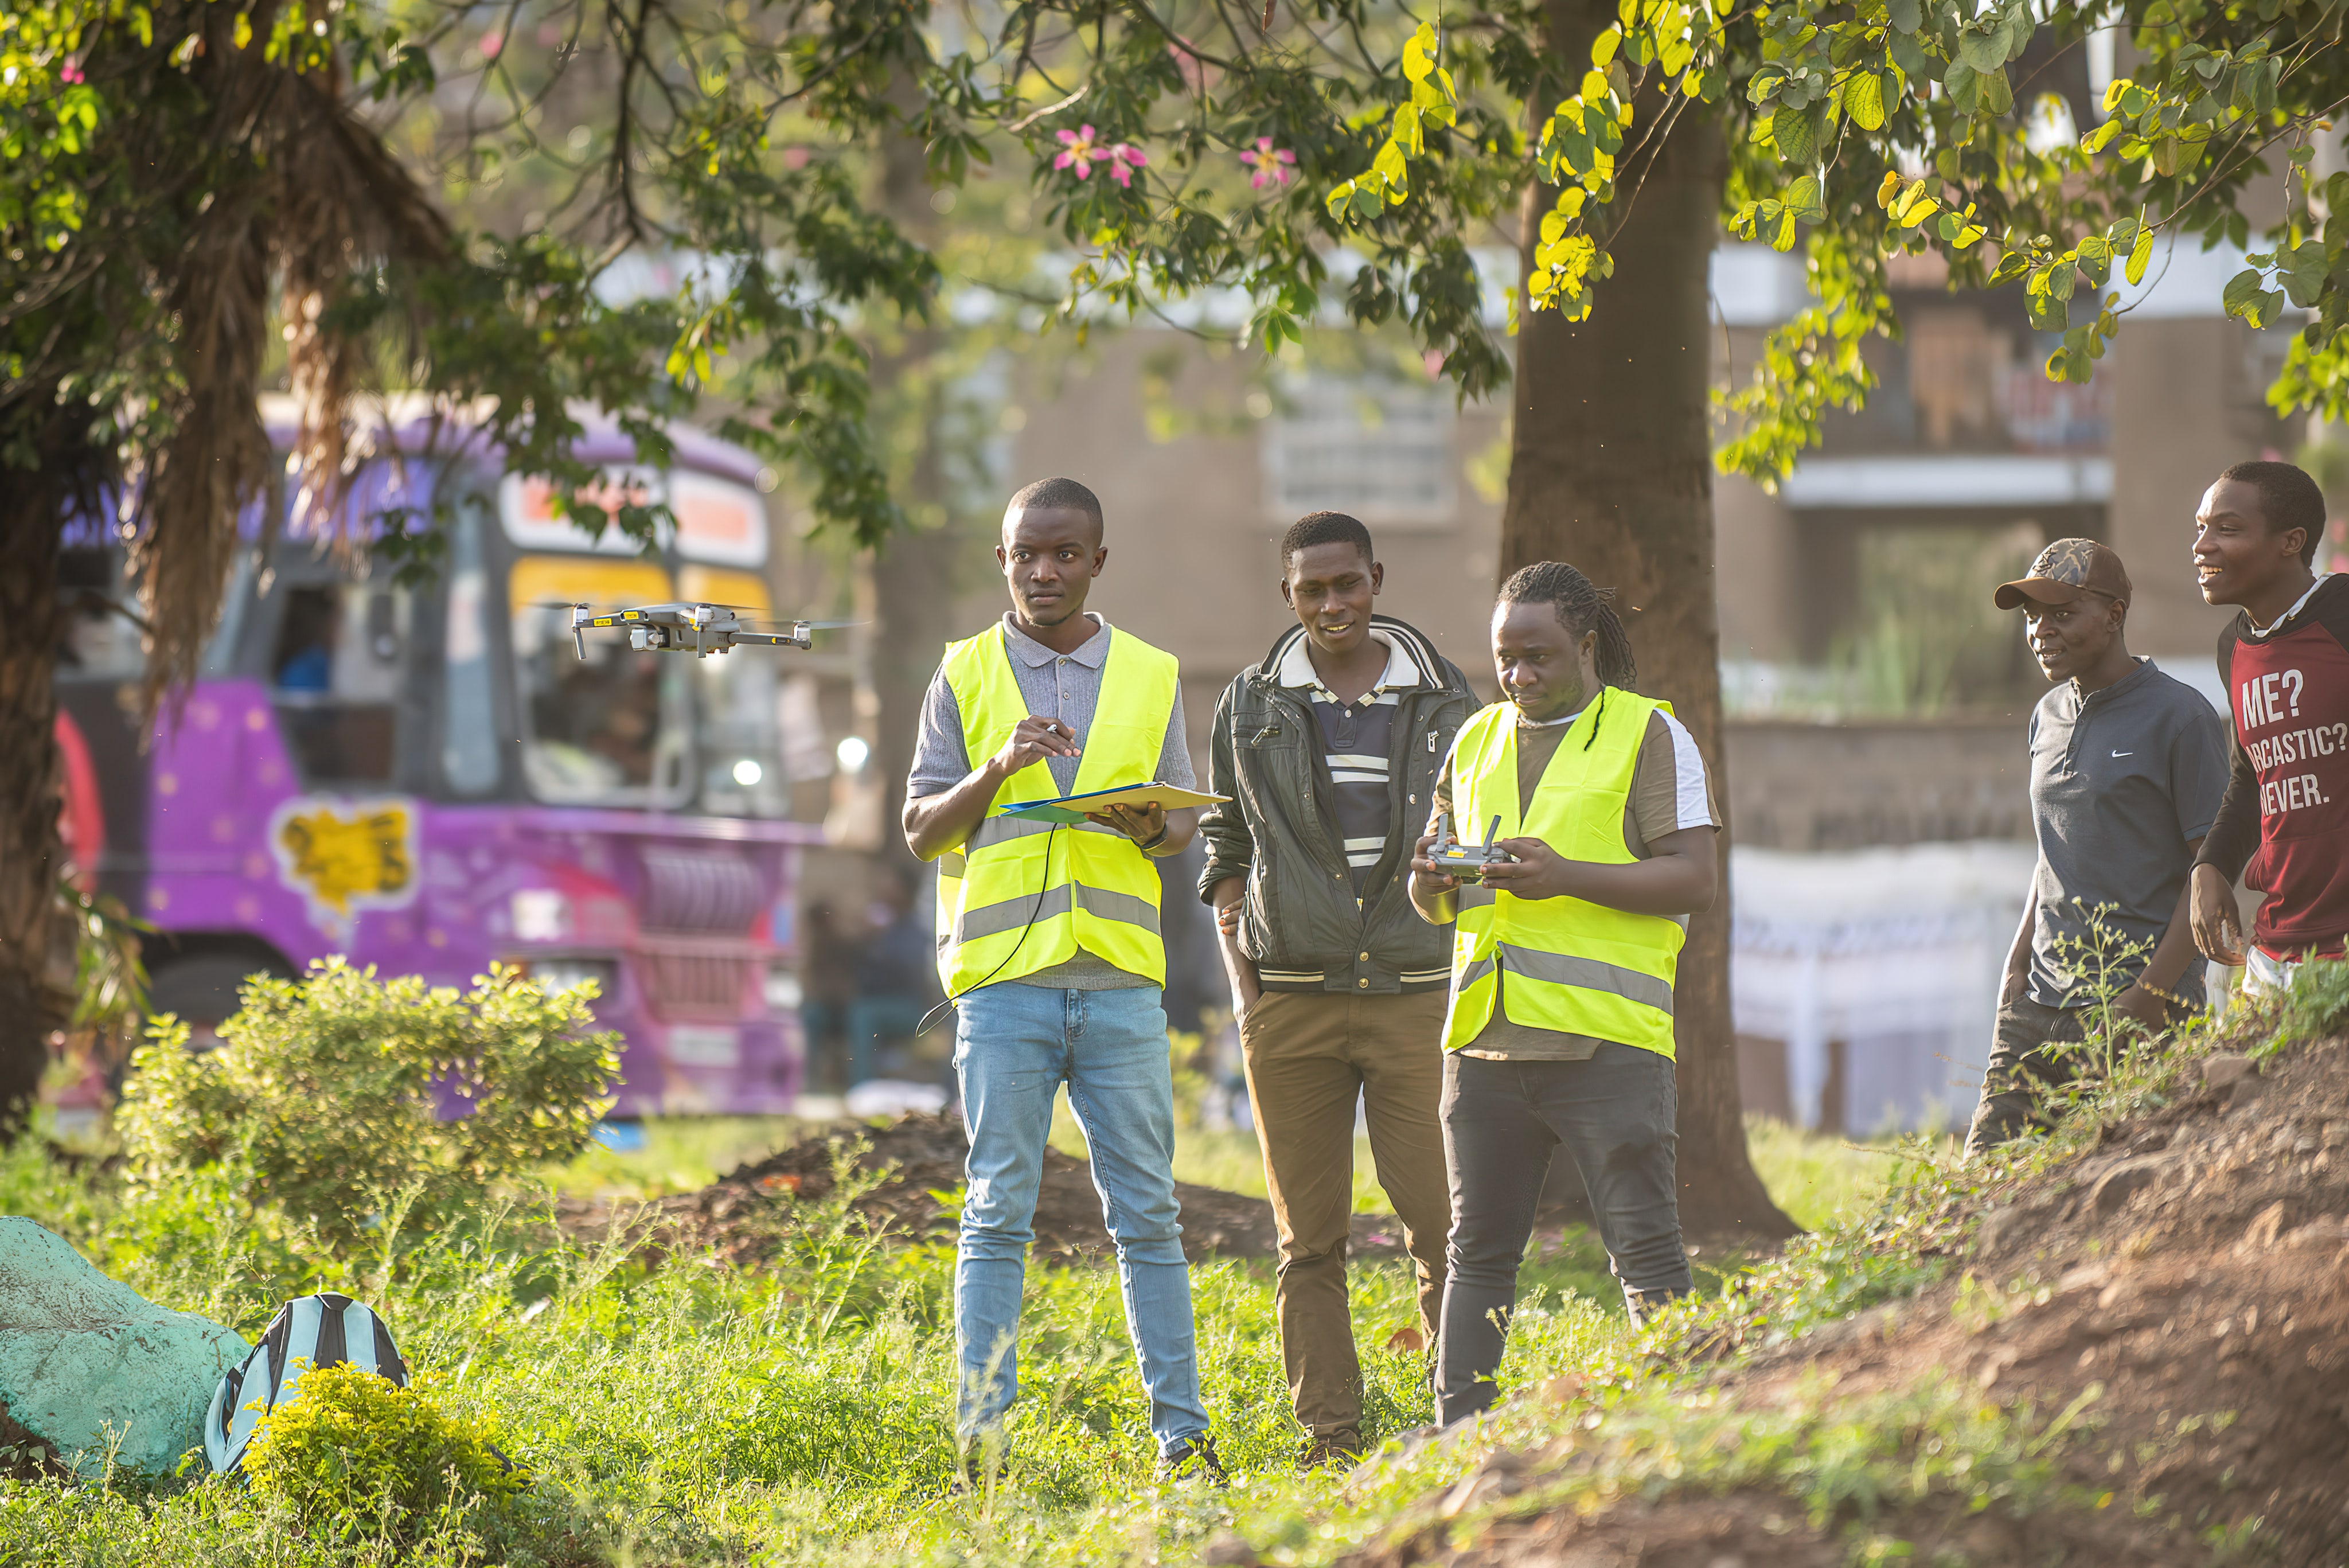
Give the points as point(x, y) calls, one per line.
point(428, 779)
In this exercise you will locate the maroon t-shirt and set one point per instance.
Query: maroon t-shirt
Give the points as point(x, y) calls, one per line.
point(2283, 824)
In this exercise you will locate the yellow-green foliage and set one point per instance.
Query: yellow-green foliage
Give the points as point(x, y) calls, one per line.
point(325, 1098)
point(355, 1453)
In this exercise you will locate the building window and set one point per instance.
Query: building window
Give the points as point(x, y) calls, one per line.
point(1382, 451)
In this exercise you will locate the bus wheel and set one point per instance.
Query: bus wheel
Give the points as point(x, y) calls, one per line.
point(201, 987)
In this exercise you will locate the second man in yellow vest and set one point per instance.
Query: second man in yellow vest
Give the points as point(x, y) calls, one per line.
point(1560, 1028)
point(1049, 944)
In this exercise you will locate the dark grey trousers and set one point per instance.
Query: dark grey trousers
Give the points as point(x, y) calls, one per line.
point(2022, 1073)
point(1502, 1121)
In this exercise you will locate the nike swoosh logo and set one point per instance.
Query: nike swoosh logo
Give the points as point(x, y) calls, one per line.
point(2124, 753)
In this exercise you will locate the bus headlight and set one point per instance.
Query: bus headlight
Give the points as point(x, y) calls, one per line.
point(554, 975)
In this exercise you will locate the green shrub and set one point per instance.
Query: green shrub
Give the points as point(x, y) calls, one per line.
point(353, 1452)
point(326, 1096)
point(2314, 1007)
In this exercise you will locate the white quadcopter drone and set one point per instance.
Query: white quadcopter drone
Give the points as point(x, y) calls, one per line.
point(698, 630)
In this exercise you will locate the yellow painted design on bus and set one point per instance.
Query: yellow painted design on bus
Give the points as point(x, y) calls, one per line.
point(344, 856)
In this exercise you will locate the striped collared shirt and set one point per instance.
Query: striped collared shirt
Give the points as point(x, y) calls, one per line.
point(1356, 741)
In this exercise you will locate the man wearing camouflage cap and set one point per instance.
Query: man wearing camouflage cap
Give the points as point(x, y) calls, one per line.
point(2127, 769)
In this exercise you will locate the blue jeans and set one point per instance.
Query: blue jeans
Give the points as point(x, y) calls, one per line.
point(1015, 1045)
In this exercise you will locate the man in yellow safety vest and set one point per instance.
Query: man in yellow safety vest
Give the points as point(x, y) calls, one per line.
point(1560, 1024)
point(1049, 944)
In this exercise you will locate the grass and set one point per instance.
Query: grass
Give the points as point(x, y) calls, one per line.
point(1821, 1180)
point(1816, 1178)
point(686, 1413)
point(680, 1154)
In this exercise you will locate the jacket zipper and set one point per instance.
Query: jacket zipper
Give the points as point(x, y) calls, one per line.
point(1312, 812)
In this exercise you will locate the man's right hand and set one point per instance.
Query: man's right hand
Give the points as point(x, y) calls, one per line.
point(1032, 740)
point(2218, 920)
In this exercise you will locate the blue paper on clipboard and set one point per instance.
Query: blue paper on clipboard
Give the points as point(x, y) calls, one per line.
point(1072, 809)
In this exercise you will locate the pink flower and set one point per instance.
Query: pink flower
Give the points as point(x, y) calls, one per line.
point(70, 71)
point(1080, 151)
point(1077, 151)
point(1269, 162)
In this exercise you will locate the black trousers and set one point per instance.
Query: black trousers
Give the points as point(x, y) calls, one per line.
point(1502, 1121)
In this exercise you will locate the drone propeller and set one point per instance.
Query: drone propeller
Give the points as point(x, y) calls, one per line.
point(797, 624)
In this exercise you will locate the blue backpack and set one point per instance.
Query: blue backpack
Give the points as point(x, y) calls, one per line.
point(325, 1330)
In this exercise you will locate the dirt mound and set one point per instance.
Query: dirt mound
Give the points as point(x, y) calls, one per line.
point(2194, 1269)
point(921, 1158)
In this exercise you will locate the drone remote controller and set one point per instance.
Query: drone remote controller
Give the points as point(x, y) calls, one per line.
point(1466, 862)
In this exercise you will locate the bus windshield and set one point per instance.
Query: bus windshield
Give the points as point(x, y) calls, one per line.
point(610, 729)
point(735, 705)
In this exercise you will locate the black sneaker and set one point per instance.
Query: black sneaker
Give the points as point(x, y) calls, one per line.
point(1194, 1459)
point(1338, 1451)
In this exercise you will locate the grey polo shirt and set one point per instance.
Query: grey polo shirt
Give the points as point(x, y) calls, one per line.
point(1063, 685)
point(2121, 781)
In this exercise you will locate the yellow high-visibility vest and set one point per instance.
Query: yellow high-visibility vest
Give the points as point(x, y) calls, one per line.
point(1019, 896)
point(1570, 965)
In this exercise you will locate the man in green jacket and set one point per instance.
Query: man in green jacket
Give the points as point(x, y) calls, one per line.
point(1329, 750)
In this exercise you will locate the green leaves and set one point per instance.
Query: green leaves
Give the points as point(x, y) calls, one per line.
point(331, 1095)
point(2247, 297)
point(1863, 99)
point(1804, 200)
point(1435, 99)
point(1984, 49)
point(1908, 205)
point(2302, 270)
point(1795, 133)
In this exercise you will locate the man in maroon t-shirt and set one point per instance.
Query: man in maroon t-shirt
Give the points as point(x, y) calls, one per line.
point(2283, 823)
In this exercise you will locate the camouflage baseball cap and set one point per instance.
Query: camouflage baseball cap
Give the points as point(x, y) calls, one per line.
point(2064, 571)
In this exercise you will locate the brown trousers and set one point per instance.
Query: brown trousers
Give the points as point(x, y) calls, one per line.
point(1309, 1054)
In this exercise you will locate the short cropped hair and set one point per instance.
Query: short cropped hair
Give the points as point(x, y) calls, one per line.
point(2289, 499)
point(1057, 495)
point(1324, 528)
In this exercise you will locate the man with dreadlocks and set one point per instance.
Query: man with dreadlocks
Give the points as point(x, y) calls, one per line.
point(1560, 1024)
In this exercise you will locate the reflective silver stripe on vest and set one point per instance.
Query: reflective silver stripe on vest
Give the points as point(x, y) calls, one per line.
point(1587, 974)
point(1012, 914)
point(1476, 971)
point(1004, 829)
point(953, 863)
point(1474, 895)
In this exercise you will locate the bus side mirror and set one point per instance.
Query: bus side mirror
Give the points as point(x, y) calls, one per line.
point(382, 633)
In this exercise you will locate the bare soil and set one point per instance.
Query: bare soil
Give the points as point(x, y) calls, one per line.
point(2195, 1267)
point(920, 1161)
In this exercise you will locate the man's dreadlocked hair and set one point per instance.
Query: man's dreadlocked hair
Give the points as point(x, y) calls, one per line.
point(1580, 608)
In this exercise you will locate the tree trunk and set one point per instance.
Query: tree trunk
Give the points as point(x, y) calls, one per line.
point(32, 1001)
point(1612, 470)
point(913, 569)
